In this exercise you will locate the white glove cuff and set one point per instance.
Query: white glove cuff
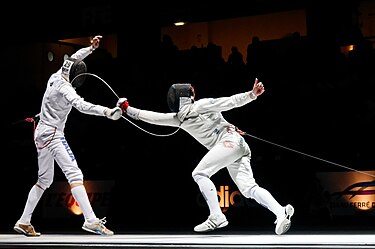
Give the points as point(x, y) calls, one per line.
point(114, 113)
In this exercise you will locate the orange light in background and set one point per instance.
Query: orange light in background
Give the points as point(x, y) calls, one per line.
point(347, 49)
point(60, 203)
point(361, 202)
point(73, 205)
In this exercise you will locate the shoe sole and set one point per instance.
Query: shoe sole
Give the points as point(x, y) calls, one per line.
point(285, 225)
point(289, 209)
point(221, 225)
point(224, 224)
point(21, 231)
point(91, 231)
point(95, 232)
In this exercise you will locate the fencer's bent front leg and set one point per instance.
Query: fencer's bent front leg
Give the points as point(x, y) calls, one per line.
point(209, 192)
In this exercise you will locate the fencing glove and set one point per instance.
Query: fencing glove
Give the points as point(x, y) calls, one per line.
point(114, 113)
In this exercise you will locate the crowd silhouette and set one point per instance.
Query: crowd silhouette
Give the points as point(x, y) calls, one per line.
point(318, 100)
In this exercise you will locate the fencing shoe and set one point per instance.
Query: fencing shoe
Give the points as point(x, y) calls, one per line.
point(283, 222)
point(97, 227)
point(26, 229)
point(214, 221)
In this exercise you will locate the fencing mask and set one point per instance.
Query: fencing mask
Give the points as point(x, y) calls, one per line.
point(71, 69)
point(180, 94)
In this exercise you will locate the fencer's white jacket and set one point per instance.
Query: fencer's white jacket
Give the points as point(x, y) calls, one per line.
point(202, 119)
point(60, 97)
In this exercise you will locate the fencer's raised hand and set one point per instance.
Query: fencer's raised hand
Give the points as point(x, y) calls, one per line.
point(258, 87)
point(95, 41)
point(123, 104)
point(114, 113)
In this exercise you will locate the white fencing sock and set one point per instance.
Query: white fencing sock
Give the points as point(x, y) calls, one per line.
point(80, 195)
point(264, 198)
point(32, 200)
point(209, 192)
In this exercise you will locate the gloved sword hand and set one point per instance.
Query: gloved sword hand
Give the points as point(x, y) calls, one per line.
point(114, 113)
point(123, 104)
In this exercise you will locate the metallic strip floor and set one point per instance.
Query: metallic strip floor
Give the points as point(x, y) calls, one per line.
point(139, 241)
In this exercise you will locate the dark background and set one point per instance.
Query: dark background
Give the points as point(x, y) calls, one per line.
point(317, 101)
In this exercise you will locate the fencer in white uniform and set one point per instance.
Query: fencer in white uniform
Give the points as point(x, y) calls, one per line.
point(58, 100)
point(227, 148)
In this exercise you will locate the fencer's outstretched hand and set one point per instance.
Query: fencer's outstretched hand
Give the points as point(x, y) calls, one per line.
point(114, 113)
point(95, 41)
point(258, 87)
point(130, 111)
point(123, 104)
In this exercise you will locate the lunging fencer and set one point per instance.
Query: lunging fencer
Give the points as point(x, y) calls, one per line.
point(227, 148)
point(59, 98)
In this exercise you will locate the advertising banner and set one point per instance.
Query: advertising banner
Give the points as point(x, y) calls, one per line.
point(349, 192)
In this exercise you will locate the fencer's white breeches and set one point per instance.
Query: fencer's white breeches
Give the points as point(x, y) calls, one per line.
point(233, 153)
point(52, 146)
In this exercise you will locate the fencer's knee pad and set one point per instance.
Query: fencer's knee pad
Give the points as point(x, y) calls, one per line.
point(44, 182)
point(45, 178)
point(197, 176)
point(74, 176)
